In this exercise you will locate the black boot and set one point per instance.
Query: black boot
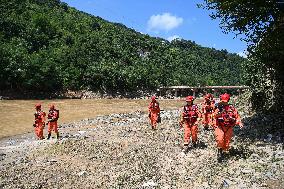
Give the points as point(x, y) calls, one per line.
point(220, 155)
point(194, 144)
point(48, 136)
point(57, 135)
point(185, 148)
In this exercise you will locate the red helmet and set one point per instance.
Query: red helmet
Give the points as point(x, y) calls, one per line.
point(51, 106)
point(153, 98)
point(189, 98)
point(38, 106)
point(225, 97)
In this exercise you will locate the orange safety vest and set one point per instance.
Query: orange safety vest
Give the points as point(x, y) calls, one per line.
point(190, 113)
point(53, 115)
point(39, 117)
point(154, 106)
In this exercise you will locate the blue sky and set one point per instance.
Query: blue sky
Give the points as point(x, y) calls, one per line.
point(164, 18)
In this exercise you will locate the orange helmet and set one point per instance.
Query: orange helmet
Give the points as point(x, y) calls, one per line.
point(225, 97)
point(189, 98)
point(51, 106)
point(153, 98)
point(38, 106)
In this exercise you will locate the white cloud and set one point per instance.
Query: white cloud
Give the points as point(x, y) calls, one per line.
point(173, 37)
point(243, 54)
point(164, 21)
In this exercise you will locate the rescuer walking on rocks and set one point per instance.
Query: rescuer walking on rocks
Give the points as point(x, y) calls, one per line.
point(39, 121)
point(154, 112)
point(190, 116)
point(226, 117)
point(52, 117)
point(207, 111)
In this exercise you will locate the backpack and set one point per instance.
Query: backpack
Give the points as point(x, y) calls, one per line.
point(227, 115)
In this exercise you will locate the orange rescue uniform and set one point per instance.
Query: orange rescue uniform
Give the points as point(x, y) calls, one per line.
point(154, 113)
point(39, 123)
point(226, 117)
point(52, 121)
point(207, 111)
point(190, 117)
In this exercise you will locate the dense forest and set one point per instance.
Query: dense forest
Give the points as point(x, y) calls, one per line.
point(45, 45)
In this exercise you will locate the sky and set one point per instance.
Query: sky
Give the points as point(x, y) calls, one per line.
point(168, 19)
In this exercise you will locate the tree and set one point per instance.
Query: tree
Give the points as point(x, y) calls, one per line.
point(261, 25)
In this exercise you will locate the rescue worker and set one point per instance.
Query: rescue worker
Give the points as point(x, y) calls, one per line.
point(39, 121)
point(207, 111)
point(52, 117)
point(226, 117)
point(190, 116)
point(154, 112)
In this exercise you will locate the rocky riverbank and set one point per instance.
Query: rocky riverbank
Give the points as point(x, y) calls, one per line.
point(121, 151)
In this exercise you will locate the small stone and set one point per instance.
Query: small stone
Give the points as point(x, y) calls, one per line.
point(226, 183)
point(263, 185)
point(150, 183)
point(268, 174)
point(82, 173)
point(188, 178)
point(52, 160)
point(246, 171)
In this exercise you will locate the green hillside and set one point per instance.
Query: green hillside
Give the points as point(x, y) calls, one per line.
point(45, 45)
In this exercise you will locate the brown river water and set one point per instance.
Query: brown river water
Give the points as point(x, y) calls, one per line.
point(17, 115)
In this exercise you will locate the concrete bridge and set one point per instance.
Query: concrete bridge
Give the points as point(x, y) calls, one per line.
point(181, 91)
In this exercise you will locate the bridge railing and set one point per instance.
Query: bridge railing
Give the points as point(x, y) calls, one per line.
point(179, 91)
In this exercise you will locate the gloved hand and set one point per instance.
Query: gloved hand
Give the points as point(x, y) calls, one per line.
point(241, 125)
point(180, 124)
point(149, 115)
